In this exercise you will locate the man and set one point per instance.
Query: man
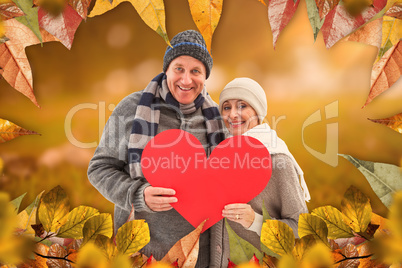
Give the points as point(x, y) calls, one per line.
point(174, 99)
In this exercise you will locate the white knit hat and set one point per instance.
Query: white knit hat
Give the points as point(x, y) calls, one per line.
point(248, 90)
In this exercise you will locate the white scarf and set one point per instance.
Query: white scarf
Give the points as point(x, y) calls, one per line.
point(276, 145)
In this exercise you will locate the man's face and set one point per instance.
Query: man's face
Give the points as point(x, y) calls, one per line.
point(185, 78)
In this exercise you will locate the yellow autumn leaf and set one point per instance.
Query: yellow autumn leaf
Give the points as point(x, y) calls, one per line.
point(302, 245)
point(53, 207)
point(287, 261)
point(391, 33)
point(9, 131)
point(107, 246)
point(206, 15)
point(318, 256)
point(337, 228)
point(121, 261)
point(24, 222)
point(75, 220)
point(356, 209)
point(313, 225)
point(278, 237)
point(152, 12)
point(132, 236)
point(90, 256)
point(393, 122)
point(101, 224)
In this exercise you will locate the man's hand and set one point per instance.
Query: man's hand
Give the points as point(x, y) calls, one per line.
point(158, 198)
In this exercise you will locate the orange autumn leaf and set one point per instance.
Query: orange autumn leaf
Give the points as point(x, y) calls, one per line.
point(385, 72)
point(14, 63)
point(9, 131)
point(369, 34)
point(38, 262)
point(325, 6)
point(364, 250)
point(185, 251)
point(393, 122)
point(206, 15)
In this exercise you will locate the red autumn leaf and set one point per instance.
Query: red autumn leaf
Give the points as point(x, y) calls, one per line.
point(9, 10)
point(339, 23)
point(175, 264)
point(254, 259)
point(325, 6)
point(14, 63)
point(395, 11)
point(62, 26)
point(151, 259)
point(81, 6)
point(385, 72)
point(394, 122)
point(231, 264)
point(280, 12)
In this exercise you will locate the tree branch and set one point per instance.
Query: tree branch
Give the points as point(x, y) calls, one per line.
point(354, 258)
point(53, 257)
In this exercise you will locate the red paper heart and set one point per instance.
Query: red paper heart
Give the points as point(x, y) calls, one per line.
point(238, 169)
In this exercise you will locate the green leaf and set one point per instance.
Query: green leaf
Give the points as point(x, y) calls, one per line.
point(356, 210)
point(107, 246)
point(384, 179)
point(313, 225)
point(132, 236)
point(337, 228)
point(302, 245)
point(75, 222)
point(31, 16)
point(314, 17)
point(264, 248)
point(98, 225)
point(240, 249)
point(278, 237)
point(17, 202)
point(54, 206)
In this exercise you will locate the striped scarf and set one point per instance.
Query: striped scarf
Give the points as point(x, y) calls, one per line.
point(146, 119)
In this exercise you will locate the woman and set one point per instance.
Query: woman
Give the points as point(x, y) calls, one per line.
point(243, 106)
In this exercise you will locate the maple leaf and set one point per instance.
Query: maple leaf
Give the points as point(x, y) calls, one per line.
point(325, 6)
point(369, 34)
point(9, 131)
point(31, 16)
point(393, 122)
point(206, 15)
point(9, 10)
point(280, 12)
point(339, 23)
point(62, 26)
point(385, 72)
point(152, 12)
point(13, 60)
point(81, 6)
point(395, 11)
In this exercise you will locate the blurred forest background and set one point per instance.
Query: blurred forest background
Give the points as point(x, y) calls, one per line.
point(116, 54)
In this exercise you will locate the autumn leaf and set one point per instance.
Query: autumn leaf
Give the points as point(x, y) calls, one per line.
point(381, 222)
point(27, 217)
point(185, 251)
point(9, 131)
point(337, 228)
point(350, 251)
point(356, 209)
point(31, 16)
point(62, 26)
point(302, 245)
point(206, 15)
point(53, 207)
point(314, 17)
point(325, 6)
point(152, 12)
point(56, 250)
point(240, 249)
point(364, 250)
point(17, 201)
point(280, 12)
point(265, 216)
point(81, 6)
point(390, 34)
point(395, 215)
point(278, 237)
point(395, 11)
point(339, 23)
point(91, 256)
point(14, 63)
point(313, 225)
point(98, 225)
point(318, 256)
point(132, 236)
point(75, 220)
point(369, 34)
point(393, 122)
point(38, 261)
point(107, 246)
point(9, 10)
point(384, 179)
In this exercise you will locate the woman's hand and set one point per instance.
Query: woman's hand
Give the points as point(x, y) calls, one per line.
point(240, 213)
point(158, 198)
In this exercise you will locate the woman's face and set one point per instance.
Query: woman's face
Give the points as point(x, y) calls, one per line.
point(238, 116)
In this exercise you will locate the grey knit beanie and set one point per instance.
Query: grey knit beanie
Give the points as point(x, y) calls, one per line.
point(248, 90)
point(190, 43)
